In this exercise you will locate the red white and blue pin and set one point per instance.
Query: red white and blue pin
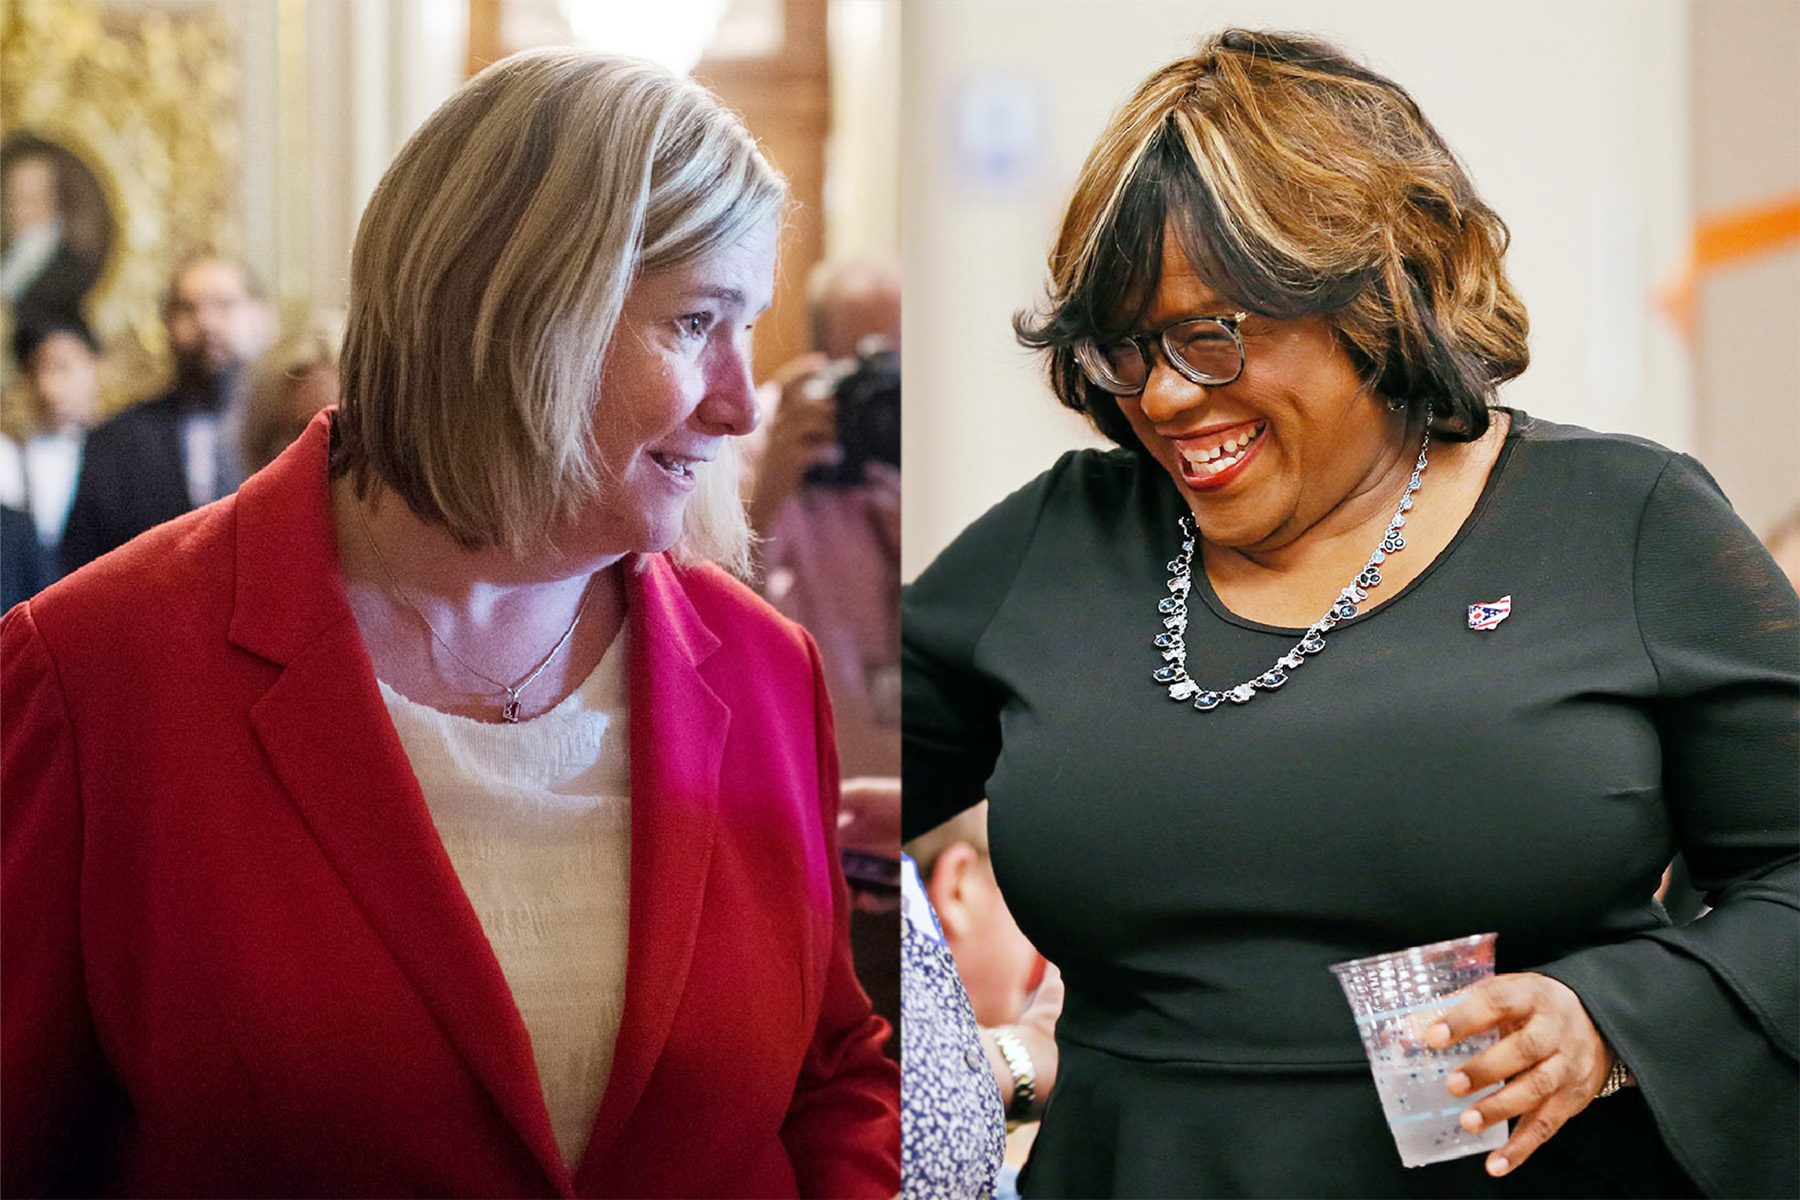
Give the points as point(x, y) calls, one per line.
point(1489, 613)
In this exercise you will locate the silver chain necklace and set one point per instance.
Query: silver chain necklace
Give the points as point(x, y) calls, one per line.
point(509, 710)
point(1173, 609)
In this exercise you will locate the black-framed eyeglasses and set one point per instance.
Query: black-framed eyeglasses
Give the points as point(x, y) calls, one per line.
point(1207, 350)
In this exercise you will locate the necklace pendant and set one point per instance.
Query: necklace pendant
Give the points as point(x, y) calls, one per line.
point(1243, 693)
point(509, 712)
point(1207, 701)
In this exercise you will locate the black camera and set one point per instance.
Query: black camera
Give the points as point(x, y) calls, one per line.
point(867, 393)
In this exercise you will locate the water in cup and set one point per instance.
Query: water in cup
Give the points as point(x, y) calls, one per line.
point(1423, 1116)
point(1395, 998)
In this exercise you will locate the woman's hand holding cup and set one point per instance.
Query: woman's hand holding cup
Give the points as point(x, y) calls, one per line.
point(1551, 1058)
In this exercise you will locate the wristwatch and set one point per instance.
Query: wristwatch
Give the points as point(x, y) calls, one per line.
point(1018, 1061)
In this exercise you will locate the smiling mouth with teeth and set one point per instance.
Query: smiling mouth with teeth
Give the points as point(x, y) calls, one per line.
point(1214, 460)
point(681, 468)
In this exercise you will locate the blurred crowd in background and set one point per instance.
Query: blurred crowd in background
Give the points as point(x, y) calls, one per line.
point(75, 486)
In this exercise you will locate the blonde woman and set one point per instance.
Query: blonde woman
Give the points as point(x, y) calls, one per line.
point(1334, 657)
point(290, 385)
point(434, 817)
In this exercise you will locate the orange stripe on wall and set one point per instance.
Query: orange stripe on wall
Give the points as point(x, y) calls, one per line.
point(1745, 232)
point(1728, 237)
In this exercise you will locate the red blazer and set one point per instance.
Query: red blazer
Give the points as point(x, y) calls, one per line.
point(236, 959)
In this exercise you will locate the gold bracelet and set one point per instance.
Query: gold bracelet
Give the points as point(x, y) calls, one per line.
point(1617, 1076)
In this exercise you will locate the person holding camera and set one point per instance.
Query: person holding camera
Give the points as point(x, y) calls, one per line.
point(851, 305)
point(824, 500)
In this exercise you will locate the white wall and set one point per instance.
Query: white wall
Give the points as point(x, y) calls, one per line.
point(1571, 117)
point(1746, 123)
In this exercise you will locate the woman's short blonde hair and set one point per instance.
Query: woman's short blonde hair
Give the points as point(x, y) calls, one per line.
point(488, 276)
point(1297, 182)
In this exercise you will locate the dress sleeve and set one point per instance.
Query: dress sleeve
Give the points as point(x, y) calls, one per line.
point(842, 1130)
point(950, 712)
point(55, 1085)
point(1707, 1015)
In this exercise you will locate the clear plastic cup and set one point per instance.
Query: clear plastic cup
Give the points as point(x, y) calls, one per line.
point(1396, 998)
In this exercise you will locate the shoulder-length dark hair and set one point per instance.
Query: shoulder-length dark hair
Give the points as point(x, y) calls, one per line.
point(1297, 182)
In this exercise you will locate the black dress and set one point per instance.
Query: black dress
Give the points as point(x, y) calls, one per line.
point(1194, 874)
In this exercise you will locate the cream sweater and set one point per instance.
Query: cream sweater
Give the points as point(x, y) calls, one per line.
point(536, 818)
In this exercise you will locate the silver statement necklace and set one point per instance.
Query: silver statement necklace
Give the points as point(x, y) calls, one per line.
point(1173, 608)
point(509, 710)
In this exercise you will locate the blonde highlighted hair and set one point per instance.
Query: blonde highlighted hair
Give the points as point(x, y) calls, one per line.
point(269, 419)
point(489, 273)
point(1297, 182)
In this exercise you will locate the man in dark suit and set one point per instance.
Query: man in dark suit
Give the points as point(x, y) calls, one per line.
point(21, 561)
point(158, 459)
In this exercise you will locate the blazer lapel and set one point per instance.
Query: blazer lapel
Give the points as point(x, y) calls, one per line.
point(678, 728)
point(329, 738)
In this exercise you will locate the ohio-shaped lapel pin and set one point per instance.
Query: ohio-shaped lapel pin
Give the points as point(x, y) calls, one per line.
point(1489, 613)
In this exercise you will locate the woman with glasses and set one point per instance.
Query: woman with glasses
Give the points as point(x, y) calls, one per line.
point(1334, 656)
